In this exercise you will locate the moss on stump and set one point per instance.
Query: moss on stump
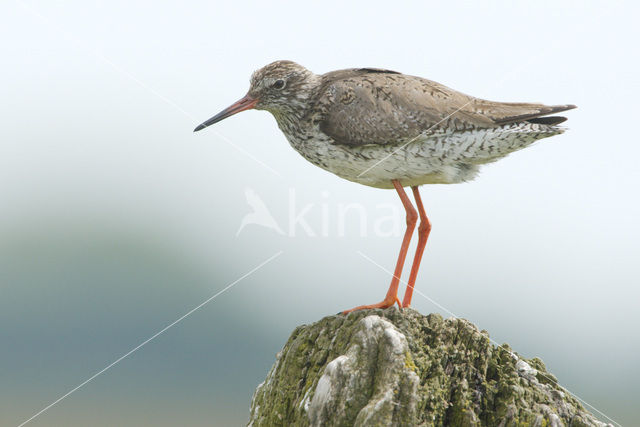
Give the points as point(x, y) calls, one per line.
point(392, 368)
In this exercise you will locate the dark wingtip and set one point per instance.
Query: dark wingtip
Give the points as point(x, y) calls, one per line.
point(549, 120)
point(530, 116)
point(200, 127)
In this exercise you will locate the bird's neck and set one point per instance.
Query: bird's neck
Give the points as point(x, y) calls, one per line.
point(290, 122)
point(292, 115)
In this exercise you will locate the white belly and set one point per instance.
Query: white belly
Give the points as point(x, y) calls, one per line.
point(445, 158)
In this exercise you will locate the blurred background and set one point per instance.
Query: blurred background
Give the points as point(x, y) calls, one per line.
point(115, 219)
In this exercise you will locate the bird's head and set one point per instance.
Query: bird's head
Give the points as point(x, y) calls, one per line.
point(282, 88)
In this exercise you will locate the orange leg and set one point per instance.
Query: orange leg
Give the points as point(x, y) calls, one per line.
point(412, 218)
point(423, 234)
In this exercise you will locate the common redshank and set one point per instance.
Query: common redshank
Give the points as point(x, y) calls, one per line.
point(385, 129)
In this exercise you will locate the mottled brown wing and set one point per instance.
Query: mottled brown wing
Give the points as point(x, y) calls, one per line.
point(371, 106)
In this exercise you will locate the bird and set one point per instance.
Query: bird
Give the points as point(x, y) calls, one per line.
point(389, 130)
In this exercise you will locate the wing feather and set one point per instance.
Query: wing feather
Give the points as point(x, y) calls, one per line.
point(373, 106)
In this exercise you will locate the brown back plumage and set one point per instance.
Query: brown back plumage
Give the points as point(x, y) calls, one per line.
point(375, 106)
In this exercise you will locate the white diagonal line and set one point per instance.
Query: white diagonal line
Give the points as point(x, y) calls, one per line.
point(490, 339)
point(414, 138)
point(143, 85)
point(246, 153)
point(161, 331)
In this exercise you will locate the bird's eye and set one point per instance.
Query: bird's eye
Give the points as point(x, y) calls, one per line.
point(278, 84)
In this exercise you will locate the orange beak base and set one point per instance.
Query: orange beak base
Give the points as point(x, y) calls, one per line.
point(245, 103)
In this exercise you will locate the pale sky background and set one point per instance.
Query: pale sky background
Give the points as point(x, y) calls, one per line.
point(115, 219)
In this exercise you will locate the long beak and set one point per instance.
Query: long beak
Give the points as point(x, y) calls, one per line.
point(245, 103)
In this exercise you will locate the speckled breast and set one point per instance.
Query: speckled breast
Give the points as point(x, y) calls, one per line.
point(445, 157)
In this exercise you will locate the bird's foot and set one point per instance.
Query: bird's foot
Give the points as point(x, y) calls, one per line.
point(388, 302)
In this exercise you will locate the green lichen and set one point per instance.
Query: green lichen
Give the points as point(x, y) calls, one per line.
point(408, 362)
point(450, 374)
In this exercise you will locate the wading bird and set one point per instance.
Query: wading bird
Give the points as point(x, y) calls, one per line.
point(389, 130)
